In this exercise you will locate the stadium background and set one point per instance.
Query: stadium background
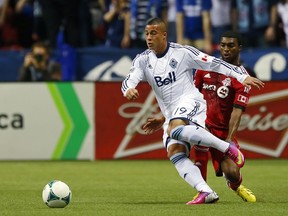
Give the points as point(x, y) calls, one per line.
point(86, 117)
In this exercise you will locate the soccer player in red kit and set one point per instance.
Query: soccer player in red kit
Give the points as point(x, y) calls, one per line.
point(226, 101)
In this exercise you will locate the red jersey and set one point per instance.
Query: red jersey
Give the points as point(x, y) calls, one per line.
point(222, 93)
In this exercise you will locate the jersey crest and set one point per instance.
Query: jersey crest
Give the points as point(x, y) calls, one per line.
point(173, 63)
point(227, 82)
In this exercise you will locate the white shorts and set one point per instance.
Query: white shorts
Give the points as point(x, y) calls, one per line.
point(190, 110)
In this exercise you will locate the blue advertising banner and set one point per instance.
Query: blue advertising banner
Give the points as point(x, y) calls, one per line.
point(268, 64)
point(103, 64)
point(112, 64)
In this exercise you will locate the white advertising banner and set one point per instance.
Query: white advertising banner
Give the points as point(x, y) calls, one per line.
point(47, 121)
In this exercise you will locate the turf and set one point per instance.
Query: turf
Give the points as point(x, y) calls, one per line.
point(137, 187)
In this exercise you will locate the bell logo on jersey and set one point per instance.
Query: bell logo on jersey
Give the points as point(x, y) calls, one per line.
point(170, 79)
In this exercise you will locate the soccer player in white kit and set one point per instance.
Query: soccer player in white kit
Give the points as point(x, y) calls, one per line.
point(168, 67)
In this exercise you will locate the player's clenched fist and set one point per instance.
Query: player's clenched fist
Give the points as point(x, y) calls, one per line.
point(132, 94)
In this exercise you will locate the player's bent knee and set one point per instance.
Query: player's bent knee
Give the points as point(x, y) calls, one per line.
point(174, 149)
point(173, 124)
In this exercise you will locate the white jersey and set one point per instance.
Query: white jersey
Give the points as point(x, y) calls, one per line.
point(171, 74)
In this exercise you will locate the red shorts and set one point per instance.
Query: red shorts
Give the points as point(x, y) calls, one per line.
point(217, 156)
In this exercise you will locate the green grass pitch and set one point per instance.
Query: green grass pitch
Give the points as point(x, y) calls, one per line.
point(136, 188)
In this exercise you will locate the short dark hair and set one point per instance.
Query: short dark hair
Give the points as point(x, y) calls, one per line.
point(157, 21)
point(232, 34)
point(42, 45)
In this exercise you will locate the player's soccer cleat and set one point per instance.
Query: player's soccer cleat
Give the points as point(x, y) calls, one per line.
point(204, 197)
point(196, 195)
point(246, 194)
point(236, 155)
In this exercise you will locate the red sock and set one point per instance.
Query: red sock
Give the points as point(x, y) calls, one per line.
point(201, 158)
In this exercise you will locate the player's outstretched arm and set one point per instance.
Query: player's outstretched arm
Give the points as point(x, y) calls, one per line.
point(253, 81)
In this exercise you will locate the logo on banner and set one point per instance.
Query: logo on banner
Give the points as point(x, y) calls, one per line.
point(134, 128)
point(263, 127)
point(268, 120)
point(15, 121)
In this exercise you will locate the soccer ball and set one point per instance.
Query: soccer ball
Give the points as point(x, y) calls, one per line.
point(56, 194)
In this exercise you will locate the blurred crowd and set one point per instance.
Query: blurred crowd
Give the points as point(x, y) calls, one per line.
point(120, 23)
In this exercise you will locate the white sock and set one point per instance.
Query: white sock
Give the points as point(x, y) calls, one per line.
point(189, 172)
point(197, 135)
